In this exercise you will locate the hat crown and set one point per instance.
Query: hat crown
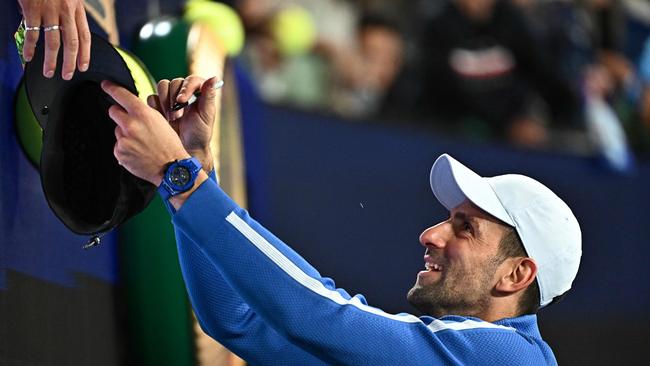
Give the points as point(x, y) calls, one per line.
point(548, 229)
point(516, 191)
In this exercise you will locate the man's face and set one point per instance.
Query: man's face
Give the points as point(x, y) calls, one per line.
point(461, 260)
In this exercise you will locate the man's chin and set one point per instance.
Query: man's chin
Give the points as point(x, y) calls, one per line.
point(417, 297)
point(432, 300)
point(435, 302)
point(427, 287)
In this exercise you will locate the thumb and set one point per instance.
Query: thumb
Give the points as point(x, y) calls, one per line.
point(208, 101)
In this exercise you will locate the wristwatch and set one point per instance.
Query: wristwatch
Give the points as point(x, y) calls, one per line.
point(179, 177)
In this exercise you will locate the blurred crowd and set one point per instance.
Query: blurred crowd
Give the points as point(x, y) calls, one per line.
point(569, 74)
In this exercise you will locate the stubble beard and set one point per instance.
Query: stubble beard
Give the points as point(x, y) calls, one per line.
point(456, 292)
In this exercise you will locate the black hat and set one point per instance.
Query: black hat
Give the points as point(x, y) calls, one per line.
point(82, 181)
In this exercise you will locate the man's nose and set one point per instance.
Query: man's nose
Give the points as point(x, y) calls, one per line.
point(436, 235)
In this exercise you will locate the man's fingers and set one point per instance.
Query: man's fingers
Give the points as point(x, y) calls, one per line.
point(117, 152)
point(120, 117)
point(70, 44)
point(83, 58)
point(207, 102)
point(154, 102)
point(163, 96)
point(122, 96)
point(174, 87)
point(52, 38)
point(209, 88)
point(118, 132)
point(190, 85)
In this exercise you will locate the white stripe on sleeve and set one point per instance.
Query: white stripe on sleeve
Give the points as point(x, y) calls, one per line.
point(316, 286)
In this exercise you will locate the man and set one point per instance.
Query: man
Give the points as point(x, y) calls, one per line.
point(509, 247)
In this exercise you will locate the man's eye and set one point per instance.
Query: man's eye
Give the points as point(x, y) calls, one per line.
point(467, 227)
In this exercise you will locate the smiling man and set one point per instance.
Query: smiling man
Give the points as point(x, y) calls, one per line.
point(472, 260)
point(462, 263)
point(509, 247)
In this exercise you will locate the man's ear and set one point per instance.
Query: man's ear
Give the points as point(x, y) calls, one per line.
point(519, 273)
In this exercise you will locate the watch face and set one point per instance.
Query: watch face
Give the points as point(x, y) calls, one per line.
point(180, 176)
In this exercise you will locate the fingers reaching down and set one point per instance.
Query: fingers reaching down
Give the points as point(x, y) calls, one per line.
point(32, 31)
point(64, 24)
point(83, 56)
point(52, 34)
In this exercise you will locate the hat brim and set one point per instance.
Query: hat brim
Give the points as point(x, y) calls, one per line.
point(452, 183)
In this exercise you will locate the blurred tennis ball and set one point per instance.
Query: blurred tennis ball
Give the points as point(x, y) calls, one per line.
point(222, 19)
point(293, 30)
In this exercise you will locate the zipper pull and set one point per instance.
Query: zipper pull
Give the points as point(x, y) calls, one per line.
point(95, 240)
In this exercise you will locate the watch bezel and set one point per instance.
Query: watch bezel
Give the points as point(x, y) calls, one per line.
point(168, 188)
point(175, 171)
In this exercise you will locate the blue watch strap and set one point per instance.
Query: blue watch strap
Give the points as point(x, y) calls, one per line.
point(164, 191)
point(167, 188)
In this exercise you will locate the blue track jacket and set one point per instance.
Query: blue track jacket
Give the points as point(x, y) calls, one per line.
point(259, 298)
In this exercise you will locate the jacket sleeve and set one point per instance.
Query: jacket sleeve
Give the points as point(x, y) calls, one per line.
point(224, 315)
point(306, 309)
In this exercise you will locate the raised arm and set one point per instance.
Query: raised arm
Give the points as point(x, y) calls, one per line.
point(224, 315)
point(221, 312)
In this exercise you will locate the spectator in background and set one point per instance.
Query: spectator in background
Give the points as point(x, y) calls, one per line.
point(281, 61)
point(629, 95)
point(589, 37)
point(482, 64)
point(363, 76)
point(608, 29)
point(349, 78)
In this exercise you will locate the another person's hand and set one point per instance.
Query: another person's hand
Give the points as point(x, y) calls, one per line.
point(145, 140)
point(194, 123)
point(58, 19)
point(598, 81)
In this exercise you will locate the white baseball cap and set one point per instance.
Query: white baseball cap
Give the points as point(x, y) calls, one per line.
point(547, 227)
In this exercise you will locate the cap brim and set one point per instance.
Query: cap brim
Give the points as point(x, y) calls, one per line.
point(452, 183)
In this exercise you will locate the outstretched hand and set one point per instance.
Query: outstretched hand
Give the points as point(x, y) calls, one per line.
point(57, 19)
point(194, 123)
point(145, 140)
